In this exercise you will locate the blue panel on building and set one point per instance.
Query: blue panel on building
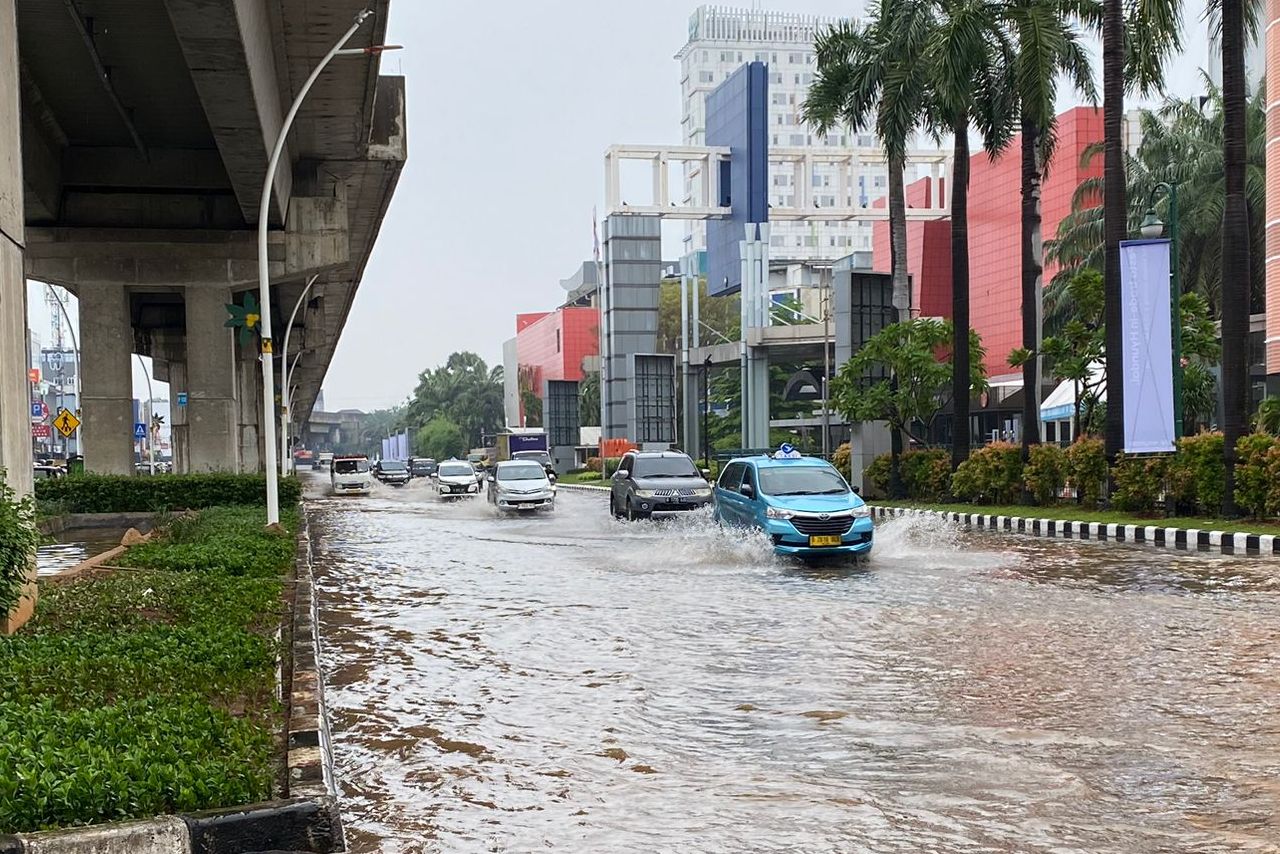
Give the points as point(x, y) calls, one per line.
point(738, 117)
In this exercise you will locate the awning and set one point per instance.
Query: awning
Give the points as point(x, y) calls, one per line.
point(1060, 405)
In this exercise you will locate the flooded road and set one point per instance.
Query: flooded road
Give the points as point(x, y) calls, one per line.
point(571, 683)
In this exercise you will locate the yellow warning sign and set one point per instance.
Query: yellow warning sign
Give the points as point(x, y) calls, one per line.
point(66, 422)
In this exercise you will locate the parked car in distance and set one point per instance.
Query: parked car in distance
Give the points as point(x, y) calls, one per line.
point(324, 460)
point(803, 504)
point(456, 479)
point(392, 472)
point(422, 467)
point(350, 475)
point(521, 485)
point(48, 472)
point(542, 458)
point(648, 482)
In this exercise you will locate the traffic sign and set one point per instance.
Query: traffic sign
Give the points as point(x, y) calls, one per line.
point(37, 409)
point(33, 375)
point(139, 430)
point(66, 422)
point(40, 431)
point(182, 398)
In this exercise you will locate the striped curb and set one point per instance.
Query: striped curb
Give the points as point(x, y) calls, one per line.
point(584, 487)
point(1183, 539)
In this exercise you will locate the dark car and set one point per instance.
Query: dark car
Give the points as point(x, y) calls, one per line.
point(422, 467)
point(392, 472)
point(648, 482)
point(542, 458)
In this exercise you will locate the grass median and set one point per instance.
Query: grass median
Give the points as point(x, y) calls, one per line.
point(137, 692)
point(1075, 513)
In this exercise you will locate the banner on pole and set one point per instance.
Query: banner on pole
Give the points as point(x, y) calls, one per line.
point(1148, 346)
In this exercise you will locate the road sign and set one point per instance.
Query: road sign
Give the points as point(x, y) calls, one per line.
point(182, 398)
point(139, 430)
point(37, 409)
point(66, 422)
point(41, 431)
point(33, 376)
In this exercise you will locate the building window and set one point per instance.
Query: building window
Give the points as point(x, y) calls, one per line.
point(797, 139)
point(726, 56)
point(557, 340)
point(706, 76)
point(776, 79)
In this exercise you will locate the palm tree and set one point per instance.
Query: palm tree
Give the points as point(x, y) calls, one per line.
point(1048, 34)
point(1134, 51)
point(1235, 246)
point(870, 76)
point(969, 63)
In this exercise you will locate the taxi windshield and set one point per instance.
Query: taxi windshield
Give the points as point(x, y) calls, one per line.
point(802, 480)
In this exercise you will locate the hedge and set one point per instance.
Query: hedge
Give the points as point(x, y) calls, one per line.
point(97, 493)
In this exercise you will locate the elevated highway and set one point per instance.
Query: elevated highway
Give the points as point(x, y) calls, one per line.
point(144, 129)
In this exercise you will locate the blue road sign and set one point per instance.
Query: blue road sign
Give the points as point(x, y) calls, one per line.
point(182, 398)
point(37, 409)
point(139, 430)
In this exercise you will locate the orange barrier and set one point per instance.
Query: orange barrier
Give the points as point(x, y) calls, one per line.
point(615, 447)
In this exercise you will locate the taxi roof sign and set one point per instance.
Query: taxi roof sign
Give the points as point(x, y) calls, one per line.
point(786, 452)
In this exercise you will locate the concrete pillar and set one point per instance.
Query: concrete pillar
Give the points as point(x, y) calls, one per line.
point(633, 271)
point(179, 427)
point(249, 408)
point(210, 383)
point(106, 346)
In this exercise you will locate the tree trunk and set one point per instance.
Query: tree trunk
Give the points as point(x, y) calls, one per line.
point(960, 386)
point(897, 489)
point(898, 238)
point(1115, 215)
point(1032, 292)
point(1235, 247)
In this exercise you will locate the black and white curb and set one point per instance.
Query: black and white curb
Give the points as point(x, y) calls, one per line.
point(1185, 539)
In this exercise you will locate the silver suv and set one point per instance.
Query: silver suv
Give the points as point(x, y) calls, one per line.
point(648, 482)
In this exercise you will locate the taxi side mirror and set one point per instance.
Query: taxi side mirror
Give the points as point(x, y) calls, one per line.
point(747, 490)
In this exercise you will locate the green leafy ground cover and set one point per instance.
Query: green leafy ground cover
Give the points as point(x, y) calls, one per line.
point(140, 692)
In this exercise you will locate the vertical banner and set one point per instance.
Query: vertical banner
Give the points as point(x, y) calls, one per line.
point(1146, 306)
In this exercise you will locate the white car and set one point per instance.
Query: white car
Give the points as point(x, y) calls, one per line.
point(350, 475)
point(456, 479)
point(521, 485)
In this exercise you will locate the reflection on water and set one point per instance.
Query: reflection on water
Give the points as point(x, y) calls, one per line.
point(567, 682)
point(71, 548)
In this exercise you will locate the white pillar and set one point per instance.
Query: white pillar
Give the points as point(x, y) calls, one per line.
point(106, 342)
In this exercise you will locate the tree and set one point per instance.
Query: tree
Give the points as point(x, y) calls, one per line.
point(1137, 40)
point(441, 439)
point(463, 390)
point(723, 314)
point(589, 400)
point(902, 375)
point(871, 76)
point(1235, 246)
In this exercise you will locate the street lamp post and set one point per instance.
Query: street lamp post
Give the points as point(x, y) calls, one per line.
point(264, 273)
point(1152, 227)
point(151, 417)
point(286, 370)
point(706, 412)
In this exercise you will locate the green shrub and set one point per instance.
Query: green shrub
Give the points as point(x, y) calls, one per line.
point(1087, 469)
point(1045, 473)
point(840, 459)
point(1258, 475)
point(992, 475)
point(226, 540)
point(595, 464)
point(1139, 482)
point(927, 475)
point(18, 542)
point(1197, 476)
point(610, 466)
point(877, 474)
point(96, 493)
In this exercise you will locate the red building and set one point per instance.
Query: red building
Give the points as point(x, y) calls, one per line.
point(995, 284)
point(554, 343)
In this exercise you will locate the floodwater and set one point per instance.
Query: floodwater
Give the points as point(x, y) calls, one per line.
point(73, 547)
point(571, 683)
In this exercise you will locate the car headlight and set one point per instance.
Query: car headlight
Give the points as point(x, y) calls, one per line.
point(778, 513)
point(644, 493)
point(861, 512)
point(472, 488)
point(703, 492)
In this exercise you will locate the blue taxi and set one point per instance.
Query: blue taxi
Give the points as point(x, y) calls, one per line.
point(803, 504)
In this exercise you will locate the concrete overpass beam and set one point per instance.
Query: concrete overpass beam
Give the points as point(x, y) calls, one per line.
point(211, 369)
point(106, 346)
point(15, 393)
point(229, 50)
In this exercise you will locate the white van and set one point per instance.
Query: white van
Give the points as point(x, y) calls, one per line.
point(324, 460)
point(350, 475)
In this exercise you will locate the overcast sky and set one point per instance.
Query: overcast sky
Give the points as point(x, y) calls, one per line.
point(510, 108)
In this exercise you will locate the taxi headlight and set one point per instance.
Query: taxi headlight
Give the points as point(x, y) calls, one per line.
point(861, 512)
point(778, 513)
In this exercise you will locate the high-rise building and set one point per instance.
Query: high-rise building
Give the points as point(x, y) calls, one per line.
point(722, 39)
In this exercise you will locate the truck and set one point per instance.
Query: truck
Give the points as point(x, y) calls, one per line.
point(518, 440)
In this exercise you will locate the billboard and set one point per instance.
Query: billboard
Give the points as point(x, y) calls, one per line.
point(1146, 307)
point(737, 116)
point(655, 398)
point(58, 364)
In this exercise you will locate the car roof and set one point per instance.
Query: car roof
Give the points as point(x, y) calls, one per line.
point(797, 462)
point(651, 454)
point(510, 463)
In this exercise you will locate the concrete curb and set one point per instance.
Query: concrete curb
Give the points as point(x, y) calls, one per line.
point(292, 825)
point(582, 487)
point(1182, 539)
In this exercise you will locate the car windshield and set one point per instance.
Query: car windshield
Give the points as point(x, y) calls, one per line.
point(664, 467)
point(523, 471)
point(456, 470)
point(802, 480)
point(392, 465)
point(350, 466)
point(536, 456)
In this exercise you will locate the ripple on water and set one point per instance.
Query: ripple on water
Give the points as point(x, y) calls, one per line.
point(574, 683)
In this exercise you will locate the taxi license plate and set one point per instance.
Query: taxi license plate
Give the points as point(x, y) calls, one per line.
point(824, 541)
